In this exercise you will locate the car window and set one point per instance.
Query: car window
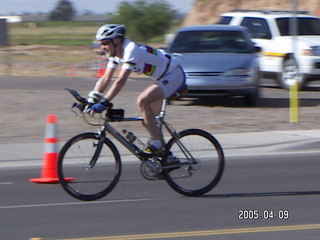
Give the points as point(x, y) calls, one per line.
point(306, 26)
point(225, 20)
point(211, 41)
point(258, 27)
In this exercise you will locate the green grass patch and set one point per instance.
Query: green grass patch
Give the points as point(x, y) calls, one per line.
point(60, 40)
point(53, 33)
point(66, 33)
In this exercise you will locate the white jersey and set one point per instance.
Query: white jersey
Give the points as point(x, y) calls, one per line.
point(143, 59)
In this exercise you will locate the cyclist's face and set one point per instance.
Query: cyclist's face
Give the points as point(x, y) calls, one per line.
point(108, 46)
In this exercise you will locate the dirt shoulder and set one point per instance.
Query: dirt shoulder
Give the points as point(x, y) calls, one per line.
point(26, 101)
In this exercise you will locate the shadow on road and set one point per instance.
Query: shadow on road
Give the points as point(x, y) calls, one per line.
point(262, 194)
point(306, 89)
point(262, 102)
point(284, 103)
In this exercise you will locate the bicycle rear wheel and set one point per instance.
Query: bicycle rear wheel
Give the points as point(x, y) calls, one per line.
point(92, 164)
point(199, 162)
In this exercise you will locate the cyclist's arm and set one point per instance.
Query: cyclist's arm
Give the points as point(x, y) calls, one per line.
point(105, 80)
point(118, 84)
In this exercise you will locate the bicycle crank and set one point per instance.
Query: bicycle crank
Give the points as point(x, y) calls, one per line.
point(151, 169)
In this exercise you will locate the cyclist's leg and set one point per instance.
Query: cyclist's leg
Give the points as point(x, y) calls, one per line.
point(150, 99)
point(172, 82)
point(149, 102)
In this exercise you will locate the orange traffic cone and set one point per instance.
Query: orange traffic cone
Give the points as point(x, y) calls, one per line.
point(100, 72)
point(101, 67)
point(72, 71)
point(49, 169)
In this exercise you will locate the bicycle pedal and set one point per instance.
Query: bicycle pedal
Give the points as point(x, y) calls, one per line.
point(153, 151)
point(152, 165)
point(145, 156)
point(151, 170)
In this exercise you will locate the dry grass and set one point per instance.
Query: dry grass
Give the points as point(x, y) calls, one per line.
point(50, 49)
point(44, 49)
point(48, 61)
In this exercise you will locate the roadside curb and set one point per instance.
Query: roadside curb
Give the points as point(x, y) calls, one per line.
point(233, 144)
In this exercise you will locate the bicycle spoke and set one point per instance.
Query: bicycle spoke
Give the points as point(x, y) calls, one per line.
point(201, 162)
point(92, 163)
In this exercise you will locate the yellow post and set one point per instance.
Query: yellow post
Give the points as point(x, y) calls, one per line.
point(294, 102)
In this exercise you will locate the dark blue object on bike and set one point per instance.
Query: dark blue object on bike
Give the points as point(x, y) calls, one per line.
point(99, 107)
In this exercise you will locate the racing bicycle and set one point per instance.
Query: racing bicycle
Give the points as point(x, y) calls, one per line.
point(89, 164)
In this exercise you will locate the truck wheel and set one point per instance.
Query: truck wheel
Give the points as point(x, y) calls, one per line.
point(290, 71)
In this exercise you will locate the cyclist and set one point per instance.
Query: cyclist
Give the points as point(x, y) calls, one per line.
point(164, 69)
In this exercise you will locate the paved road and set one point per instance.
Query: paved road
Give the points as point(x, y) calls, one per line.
point(272, 185)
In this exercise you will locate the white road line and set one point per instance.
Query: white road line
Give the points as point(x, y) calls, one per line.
point(6, 183)
point(78, 203)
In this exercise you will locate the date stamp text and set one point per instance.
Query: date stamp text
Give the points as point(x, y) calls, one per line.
point(255, 214)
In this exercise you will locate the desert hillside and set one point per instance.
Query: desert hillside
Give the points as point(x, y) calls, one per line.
point(208, 11)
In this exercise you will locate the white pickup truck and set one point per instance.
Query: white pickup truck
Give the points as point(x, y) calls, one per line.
point(292, 54)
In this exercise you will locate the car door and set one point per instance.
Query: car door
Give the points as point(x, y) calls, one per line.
point(259, 28)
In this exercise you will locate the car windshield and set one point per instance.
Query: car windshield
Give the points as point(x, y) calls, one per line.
point(211, 42)
point(224, 20)
point(306, 26)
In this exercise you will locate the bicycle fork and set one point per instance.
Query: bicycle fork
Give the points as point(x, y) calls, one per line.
point(98, 147)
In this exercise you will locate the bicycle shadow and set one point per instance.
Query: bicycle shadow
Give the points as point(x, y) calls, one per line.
point(234, 102)
point(306, 89)
point(262, 194)
point(274, 101)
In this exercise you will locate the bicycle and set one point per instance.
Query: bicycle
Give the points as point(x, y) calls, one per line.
point(89, 164)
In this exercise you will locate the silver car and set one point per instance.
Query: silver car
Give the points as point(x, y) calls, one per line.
point(218, 59)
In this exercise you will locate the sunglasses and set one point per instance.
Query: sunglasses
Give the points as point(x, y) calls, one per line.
point(106, 42)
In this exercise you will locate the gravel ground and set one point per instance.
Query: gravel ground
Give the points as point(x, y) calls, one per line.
point(25, 102)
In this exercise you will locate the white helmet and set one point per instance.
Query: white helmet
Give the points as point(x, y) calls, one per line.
point(110, 31)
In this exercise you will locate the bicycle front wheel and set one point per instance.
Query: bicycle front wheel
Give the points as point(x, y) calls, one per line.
point(198, 164)
point(89, 166)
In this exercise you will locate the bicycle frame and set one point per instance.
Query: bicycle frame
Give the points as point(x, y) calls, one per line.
point(162, 123)
point(106, 127)
point(113, 132)
point(131, 147)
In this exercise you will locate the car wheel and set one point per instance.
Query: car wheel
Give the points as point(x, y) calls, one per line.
point(290, 73)
point(251, 99)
